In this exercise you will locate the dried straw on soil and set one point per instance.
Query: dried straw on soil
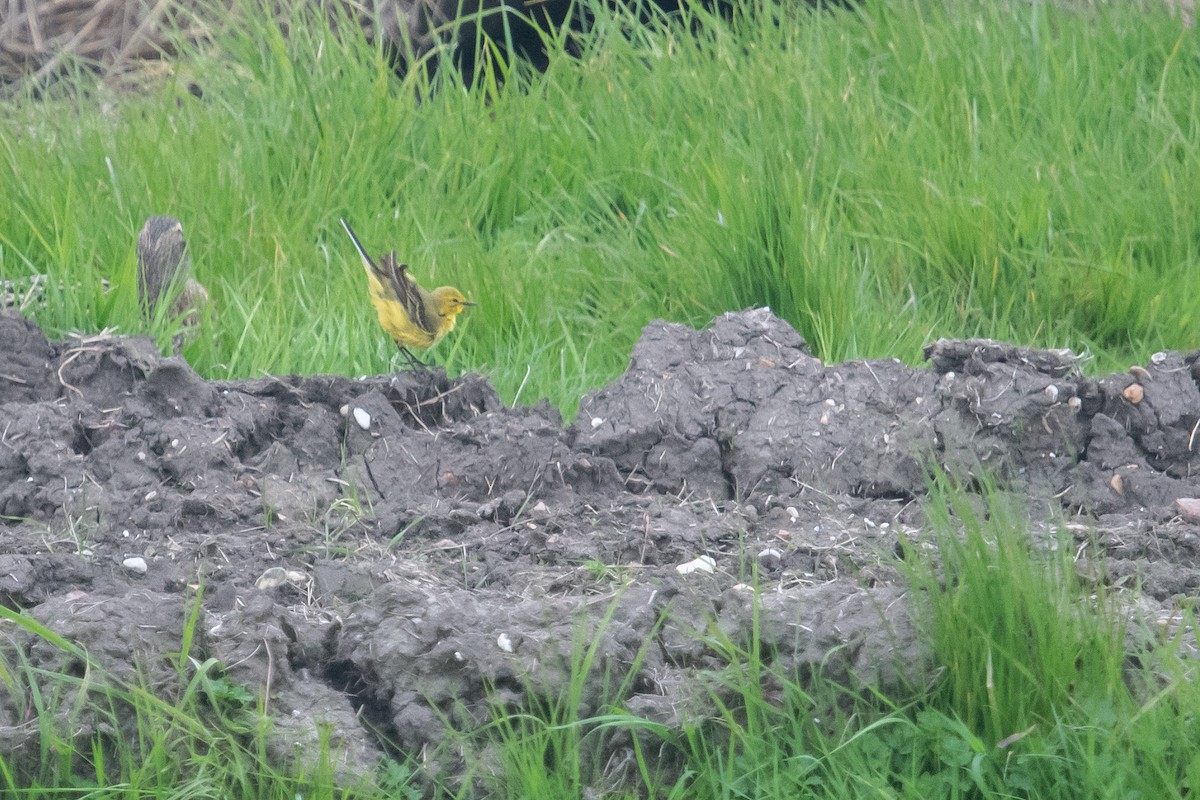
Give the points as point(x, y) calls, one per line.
point(41, 40)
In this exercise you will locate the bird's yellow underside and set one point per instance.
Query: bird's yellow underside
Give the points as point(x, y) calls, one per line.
point(396, 322)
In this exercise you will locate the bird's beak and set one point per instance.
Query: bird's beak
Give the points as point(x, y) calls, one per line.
point(468, 303)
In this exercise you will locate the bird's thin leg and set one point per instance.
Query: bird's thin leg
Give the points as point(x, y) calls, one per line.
point(413, 361)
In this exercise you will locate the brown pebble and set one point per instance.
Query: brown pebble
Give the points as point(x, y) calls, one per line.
point(1134, 393)
point(1189, 507)
point(1141, 373)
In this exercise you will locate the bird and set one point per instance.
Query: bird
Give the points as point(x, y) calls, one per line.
point(411, 315)
point(164, 273)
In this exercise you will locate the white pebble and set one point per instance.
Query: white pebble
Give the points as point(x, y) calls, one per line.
point(504, 643)
point(362, 418)
point(135, 564)
point(272, 578)
point(701, 564)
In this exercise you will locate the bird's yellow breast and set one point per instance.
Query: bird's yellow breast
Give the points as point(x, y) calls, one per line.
point(395, 321)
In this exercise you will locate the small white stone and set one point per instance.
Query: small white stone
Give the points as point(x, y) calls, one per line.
point(135, 564)
point(1051, 393)
point(362, 418)
point(597, 422)
point(504, 643)
point(272, 578)
point(459, 657)
point(701, 564)
point(769, 552)
point(150, 495)
point(1158, 358)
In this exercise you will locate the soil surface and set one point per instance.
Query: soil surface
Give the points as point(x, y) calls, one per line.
point(391, 554)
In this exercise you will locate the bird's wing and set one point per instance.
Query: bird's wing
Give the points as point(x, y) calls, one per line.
point(395, 282)
point(393, 275)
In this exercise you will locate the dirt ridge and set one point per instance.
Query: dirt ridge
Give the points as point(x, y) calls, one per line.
point(389, 552)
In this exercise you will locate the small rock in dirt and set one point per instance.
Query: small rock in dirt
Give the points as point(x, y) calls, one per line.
point(1141, 373)
point(278, 576)
point(702, 564)
point(503, 509)
point(135, 564)
point(1189, 507)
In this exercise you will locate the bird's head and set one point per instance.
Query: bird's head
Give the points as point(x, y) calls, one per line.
point(450, 303)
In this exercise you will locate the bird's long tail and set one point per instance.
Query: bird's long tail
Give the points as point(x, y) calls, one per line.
point(362, 252)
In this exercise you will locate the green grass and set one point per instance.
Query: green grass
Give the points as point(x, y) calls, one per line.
point(1035, 690)
point(880, 179)
point(202, 737)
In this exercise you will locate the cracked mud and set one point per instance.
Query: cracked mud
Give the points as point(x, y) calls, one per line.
point(390, 554)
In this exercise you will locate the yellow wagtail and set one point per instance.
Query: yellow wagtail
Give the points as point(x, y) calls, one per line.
point(412, 316)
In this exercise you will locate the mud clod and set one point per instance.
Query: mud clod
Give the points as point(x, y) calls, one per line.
point(453, 554)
